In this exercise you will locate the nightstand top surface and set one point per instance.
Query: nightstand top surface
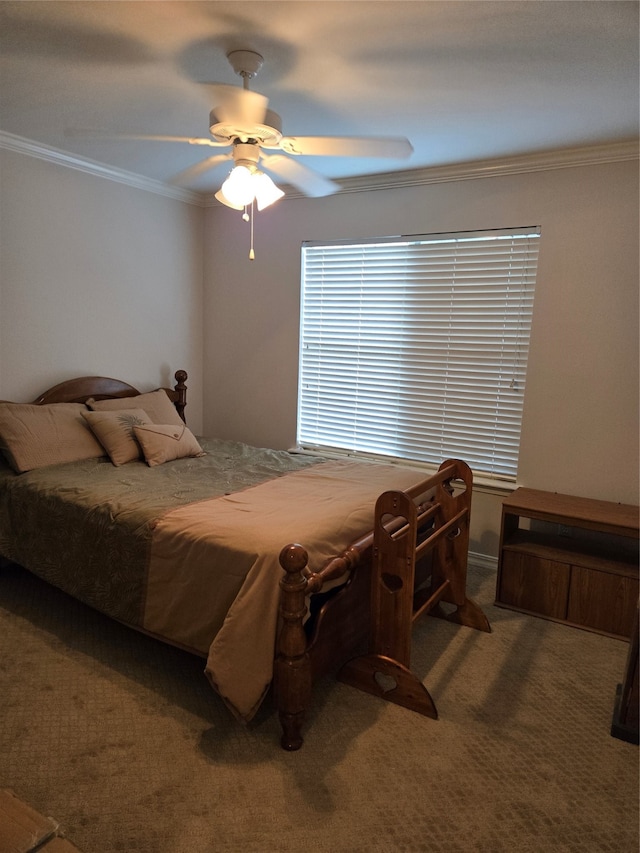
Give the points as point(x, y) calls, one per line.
point(605, 516)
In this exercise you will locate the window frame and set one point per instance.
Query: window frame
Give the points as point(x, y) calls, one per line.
point(481, 266)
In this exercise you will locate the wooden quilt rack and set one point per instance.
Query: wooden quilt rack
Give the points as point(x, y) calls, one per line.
point(387, 568)
point(405, 533)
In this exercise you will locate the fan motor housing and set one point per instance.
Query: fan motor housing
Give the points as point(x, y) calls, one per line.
point(268, 134)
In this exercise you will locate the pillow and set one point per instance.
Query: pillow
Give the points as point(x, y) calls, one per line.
point(159, 408)
point(114, 431)
point(164, 442)
point(34, 436)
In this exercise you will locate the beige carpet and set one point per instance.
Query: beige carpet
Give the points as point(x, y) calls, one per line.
point(121, 739)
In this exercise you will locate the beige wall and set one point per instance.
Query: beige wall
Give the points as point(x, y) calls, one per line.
point(96, 277)
point(580, 430)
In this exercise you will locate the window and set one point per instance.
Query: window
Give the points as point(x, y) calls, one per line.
point(416, 347)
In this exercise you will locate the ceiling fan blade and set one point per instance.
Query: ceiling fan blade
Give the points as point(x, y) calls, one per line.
point(88, 133)
point(347, 146)
point(200, 168)
point(238, 107)
point(306, 180)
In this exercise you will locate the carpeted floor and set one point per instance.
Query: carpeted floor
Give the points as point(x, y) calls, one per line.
point(123, 742)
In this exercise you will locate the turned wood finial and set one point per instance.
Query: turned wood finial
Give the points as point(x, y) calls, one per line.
point(181, 390)
point(293, 558)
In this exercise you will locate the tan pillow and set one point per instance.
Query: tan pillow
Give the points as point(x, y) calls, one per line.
point(159, 408)
point(164, 442)
point(35, 436)
point(114, 431)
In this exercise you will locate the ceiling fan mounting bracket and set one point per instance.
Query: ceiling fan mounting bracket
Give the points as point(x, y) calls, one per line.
point(245, 63)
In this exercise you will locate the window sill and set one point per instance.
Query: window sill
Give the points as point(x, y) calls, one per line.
point(481, 484)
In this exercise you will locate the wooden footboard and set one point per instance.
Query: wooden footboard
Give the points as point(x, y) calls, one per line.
point(425, 525)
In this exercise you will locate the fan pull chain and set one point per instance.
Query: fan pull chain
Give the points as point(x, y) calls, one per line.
point(252, 254)
point(249, 218)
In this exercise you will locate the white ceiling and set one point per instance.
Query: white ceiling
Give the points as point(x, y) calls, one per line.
point(464, 81)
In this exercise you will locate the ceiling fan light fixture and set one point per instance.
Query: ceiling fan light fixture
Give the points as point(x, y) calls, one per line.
point(245, 185)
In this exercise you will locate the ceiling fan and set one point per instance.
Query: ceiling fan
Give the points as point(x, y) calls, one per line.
point(242, 122)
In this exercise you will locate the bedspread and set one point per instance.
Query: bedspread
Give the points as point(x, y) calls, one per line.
point(86, 526)
point(188, 551)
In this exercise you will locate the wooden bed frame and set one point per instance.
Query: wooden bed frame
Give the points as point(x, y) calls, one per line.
point(384, 593)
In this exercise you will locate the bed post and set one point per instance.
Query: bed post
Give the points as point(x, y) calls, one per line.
point(292, 671)
point(181, 391)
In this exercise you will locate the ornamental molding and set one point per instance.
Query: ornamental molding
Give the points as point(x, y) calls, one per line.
point(63, 158)
point(522, 164)
point(593, 155)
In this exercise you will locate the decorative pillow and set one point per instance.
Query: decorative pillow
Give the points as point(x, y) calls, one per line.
point(114, 431)
point(164, 442)
point(159, 408)
point(34, 436)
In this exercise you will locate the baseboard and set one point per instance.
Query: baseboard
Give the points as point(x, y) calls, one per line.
point(482, 561)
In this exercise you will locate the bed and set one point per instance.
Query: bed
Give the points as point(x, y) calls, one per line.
point(195, 541)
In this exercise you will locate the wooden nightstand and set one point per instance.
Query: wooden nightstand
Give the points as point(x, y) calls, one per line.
point(569, 559)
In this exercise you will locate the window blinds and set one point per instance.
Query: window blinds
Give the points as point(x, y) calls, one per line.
point(417, 347)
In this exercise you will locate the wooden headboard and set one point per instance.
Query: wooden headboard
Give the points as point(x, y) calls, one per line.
point(79, 390)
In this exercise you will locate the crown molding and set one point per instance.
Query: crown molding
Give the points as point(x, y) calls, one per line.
point(63, 158)
point(539, 162)
point(517, 165)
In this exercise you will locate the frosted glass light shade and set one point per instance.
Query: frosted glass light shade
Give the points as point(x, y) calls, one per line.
point(266, 192)
point(245, 185)
point(221, 198)
point(238, 188)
